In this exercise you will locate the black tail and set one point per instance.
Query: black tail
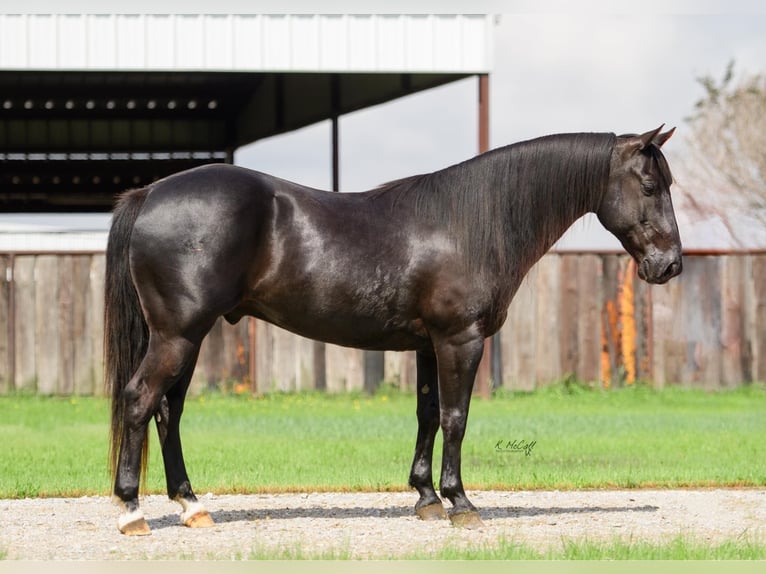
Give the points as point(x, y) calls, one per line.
point(125, 332)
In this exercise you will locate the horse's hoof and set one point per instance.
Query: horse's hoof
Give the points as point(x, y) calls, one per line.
point(433, 511)
point(137, 527)
point(469, 519)
point(200, 520)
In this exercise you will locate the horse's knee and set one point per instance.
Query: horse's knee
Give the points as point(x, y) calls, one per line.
point(451, 486)
point(420, 473)
point(453, 423)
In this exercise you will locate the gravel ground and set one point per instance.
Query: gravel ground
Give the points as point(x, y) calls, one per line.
point(372, 525)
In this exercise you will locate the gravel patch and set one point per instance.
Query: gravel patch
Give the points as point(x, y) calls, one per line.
point(373, 525)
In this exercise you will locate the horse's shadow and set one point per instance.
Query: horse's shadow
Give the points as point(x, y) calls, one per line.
point(487, 513)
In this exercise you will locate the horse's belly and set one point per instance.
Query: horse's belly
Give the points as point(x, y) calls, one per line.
point(346, 329)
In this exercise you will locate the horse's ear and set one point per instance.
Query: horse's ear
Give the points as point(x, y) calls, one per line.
point(650, 137)
point(662, 138)
point(638, 143)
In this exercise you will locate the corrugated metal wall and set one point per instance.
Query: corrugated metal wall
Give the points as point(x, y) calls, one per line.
point(248, 42)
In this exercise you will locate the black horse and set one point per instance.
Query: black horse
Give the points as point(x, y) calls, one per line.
point(428, 263)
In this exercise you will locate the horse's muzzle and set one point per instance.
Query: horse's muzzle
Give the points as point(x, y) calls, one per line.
point(660, 268)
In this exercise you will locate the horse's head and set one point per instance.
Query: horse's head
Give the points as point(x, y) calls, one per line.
point(636, 206)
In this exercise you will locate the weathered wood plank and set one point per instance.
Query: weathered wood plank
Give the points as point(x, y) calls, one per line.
point(208, 371)
point(697, 322)
point(391, 368)
point(95, 321)
point(408, 371)
point(83, 377)
point(568, 319)
point(735, 356)
point(611, 349)
point(518, 340)
point(6, 367)
point(589, 271)
point(399, 369)
point(236, 349)
point(25, 323)
point(66, 318)
point(662, 323)
point(345, 369)
point(223, 361)
point(548, 317)
point(283, 373)
point(283, 365)
point(644, 331)
point(47, 342)
point(284, 361)
point(264, 353)
point(758, 281)
point(759, 304)
point(677, 344)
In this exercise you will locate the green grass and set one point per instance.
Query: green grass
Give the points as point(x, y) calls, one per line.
point(632, 437)
point(680, 548)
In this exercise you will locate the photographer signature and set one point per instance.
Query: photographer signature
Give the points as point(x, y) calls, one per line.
point(516, 445)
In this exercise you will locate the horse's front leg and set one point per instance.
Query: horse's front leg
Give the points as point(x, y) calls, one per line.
point(458, 358)
point(429, 506)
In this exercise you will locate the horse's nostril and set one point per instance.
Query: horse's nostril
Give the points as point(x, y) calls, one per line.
point(673, 269)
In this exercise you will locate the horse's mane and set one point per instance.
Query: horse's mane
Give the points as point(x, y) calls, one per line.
point(506, 207)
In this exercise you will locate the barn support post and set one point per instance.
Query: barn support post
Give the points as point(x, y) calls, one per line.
point(335, 102)
point(489, 367)
point(320, 352)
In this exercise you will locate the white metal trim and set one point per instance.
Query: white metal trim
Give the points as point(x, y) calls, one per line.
point(443, 43)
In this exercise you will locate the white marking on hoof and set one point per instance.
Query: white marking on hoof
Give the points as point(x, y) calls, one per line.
point(133, 523)
point(194, 513)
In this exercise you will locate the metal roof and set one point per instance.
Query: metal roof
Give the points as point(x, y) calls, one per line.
point(91, 104)
point(447, 43)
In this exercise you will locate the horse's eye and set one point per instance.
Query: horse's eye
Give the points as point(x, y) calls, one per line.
point(647, 187)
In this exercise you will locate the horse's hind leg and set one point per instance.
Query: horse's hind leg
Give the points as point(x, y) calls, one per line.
point(165, 362)
point(429, 505)
point(168, 419)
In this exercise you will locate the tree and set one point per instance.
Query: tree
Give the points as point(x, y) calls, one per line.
point(724, 171)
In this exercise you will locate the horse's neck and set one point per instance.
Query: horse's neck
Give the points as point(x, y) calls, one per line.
point(558, 220)
point(540, 213)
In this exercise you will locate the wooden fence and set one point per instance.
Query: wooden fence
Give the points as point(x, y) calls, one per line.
point(585, 316)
